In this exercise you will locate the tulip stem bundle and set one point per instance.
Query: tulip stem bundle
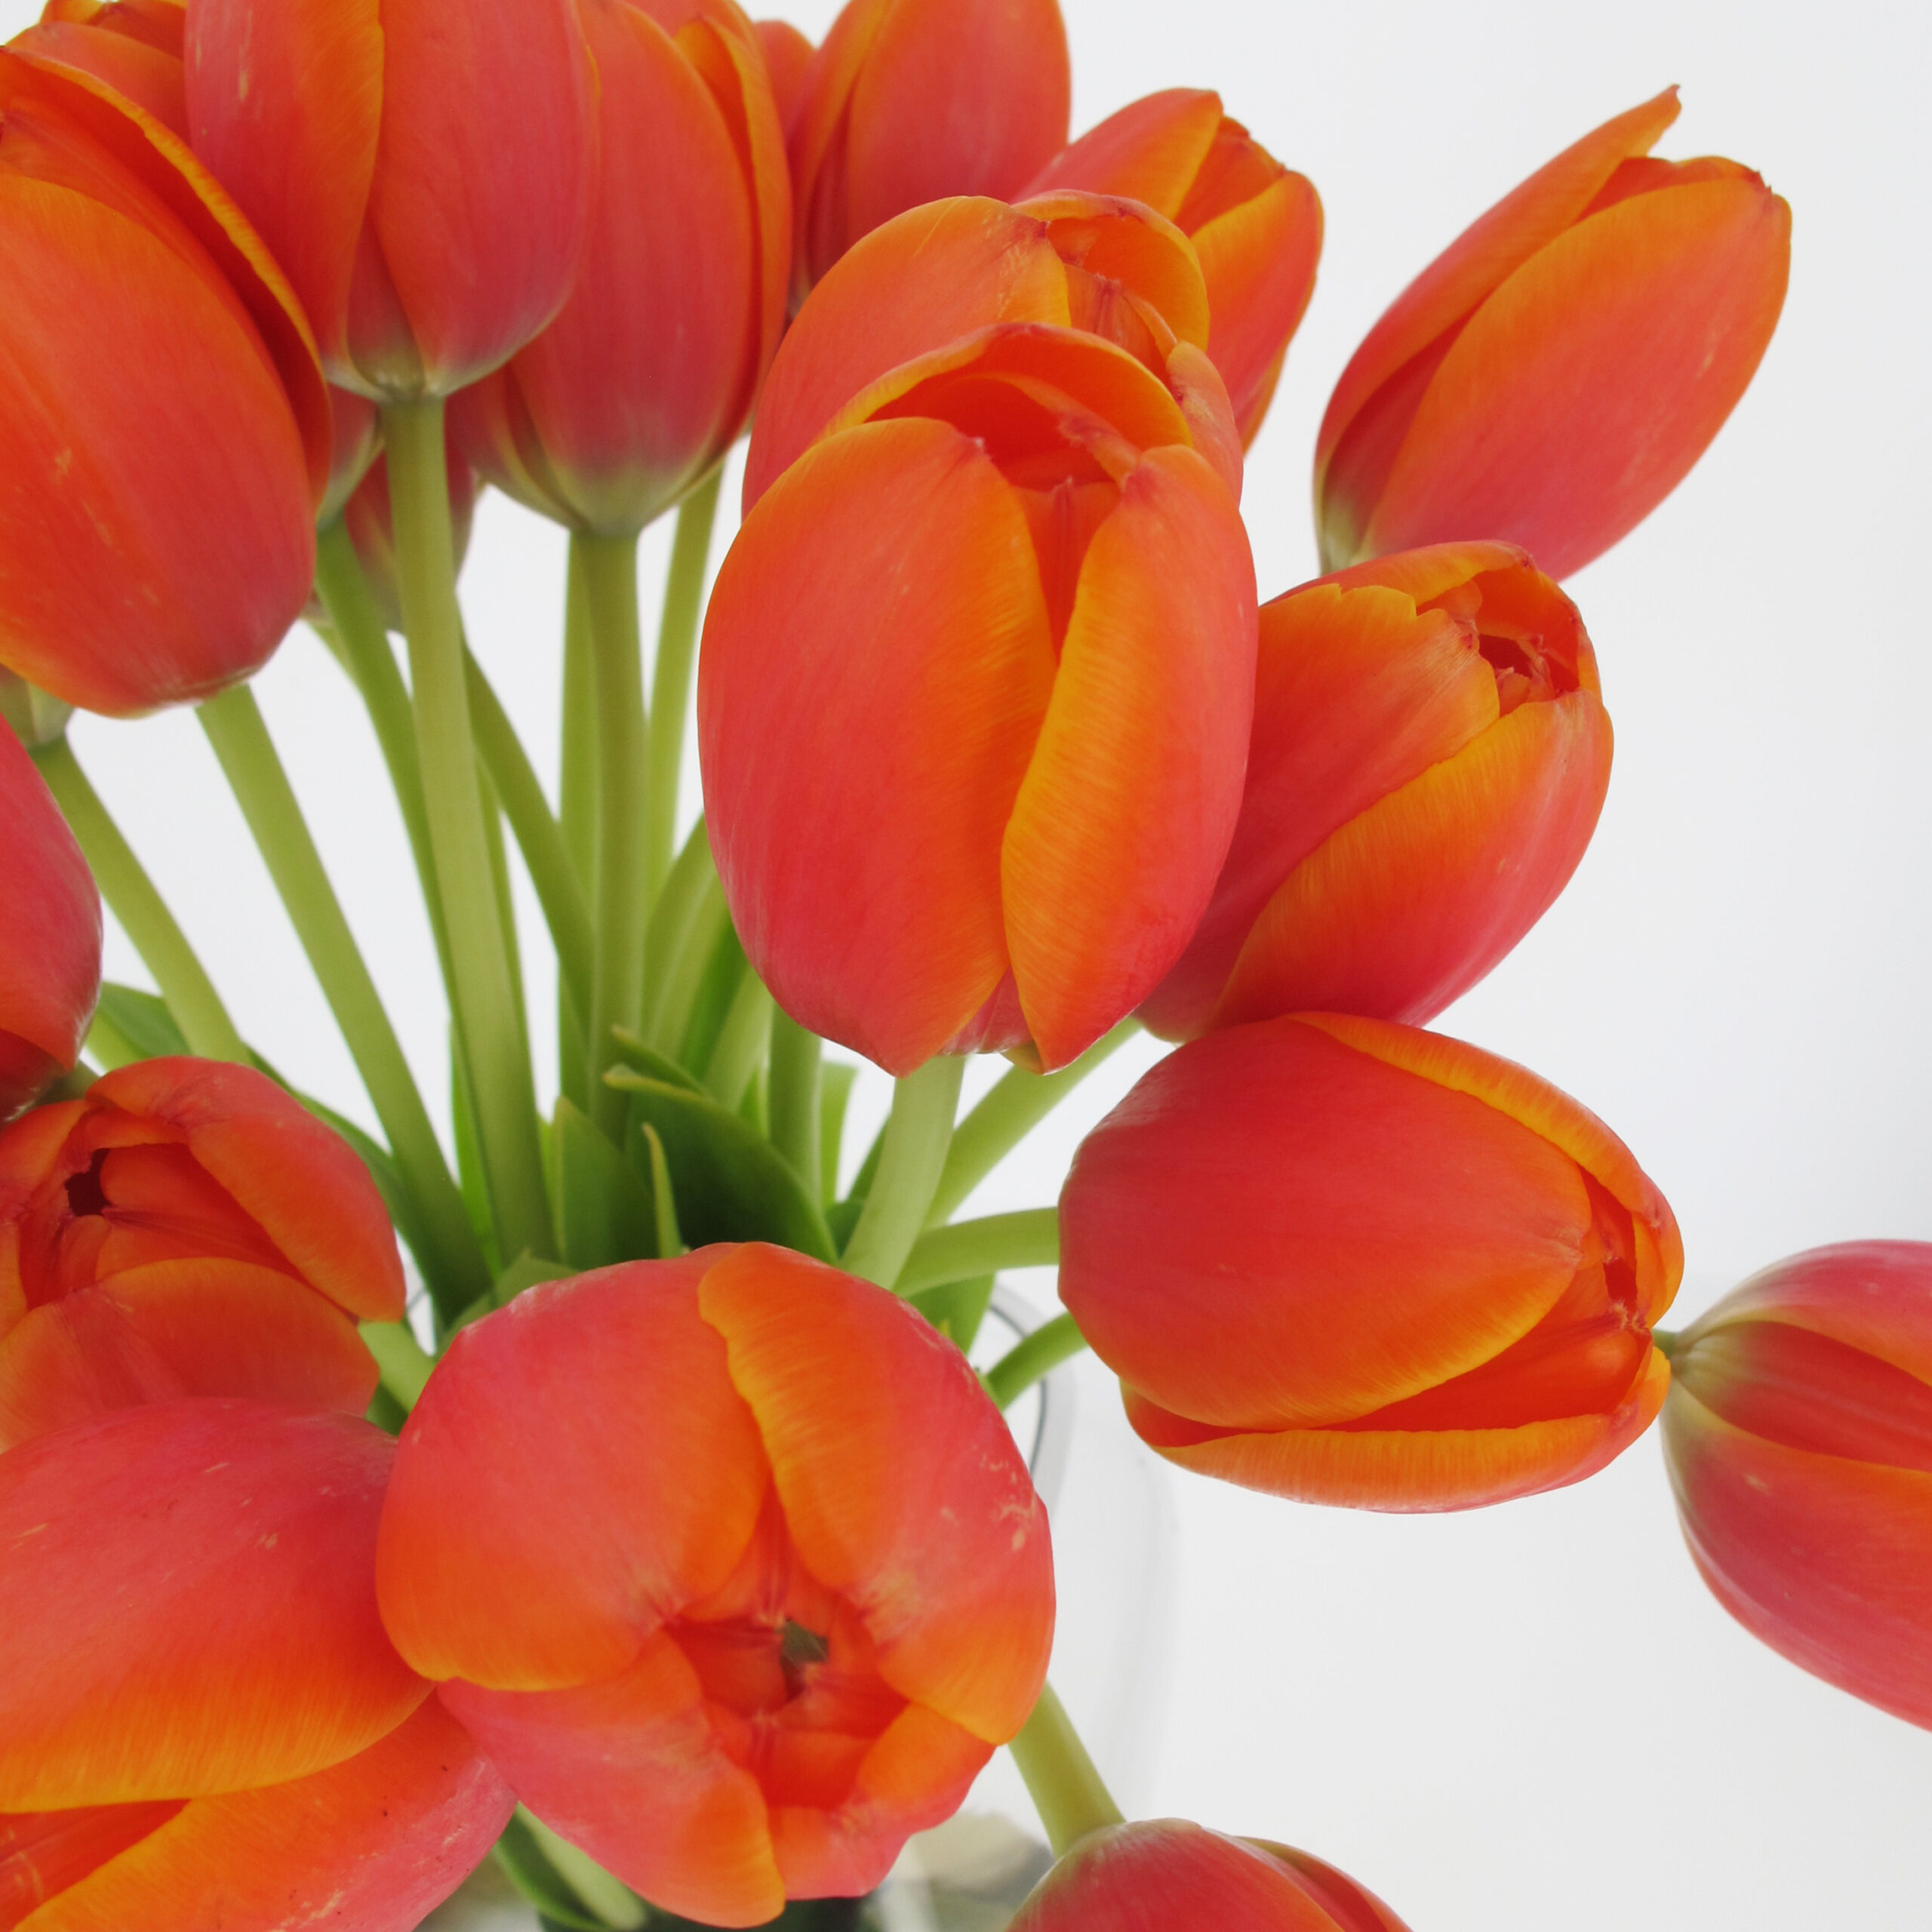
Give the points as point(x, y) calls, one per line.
point(918, 1132)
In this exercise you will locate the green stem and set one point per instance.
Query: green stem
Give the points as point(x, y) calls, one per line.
point(235, 728)
point(742, 1041)
point(538, 836)
point(671, 677)
point(918, 1132)
point(577, 812)
point(685, 974)
point(609, 568)
point(797, 1054)
point(1066, 1788)
point(962, 1249)
point(143, 913)
point(671, 913)
point(1018, 1103)
point(485, 1001)
point(403, 1368)
point(500, 878)
point(1666, 1342)
point(1037, 1355)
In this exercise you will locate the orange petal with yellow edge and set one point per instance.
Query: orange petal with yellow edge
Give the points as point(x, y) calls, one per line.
point(1150, 151)
point(247, 1533)
point(1121, 827)
point(875, 665)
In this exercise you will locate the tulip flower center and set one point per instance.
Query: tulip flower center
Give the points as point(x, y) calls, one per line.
point(43, 1853)
point(1524, 673)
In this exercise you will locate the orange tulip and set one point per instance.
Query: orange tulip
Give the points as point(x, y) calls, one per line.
point(647, 375)
point(160, 464)
point(244, 1748)
point(1349, 1261)
point(187, 1229)
point(358, 439)
point(50, 961)
point(729, 1565)
point(910, 101)
point(1798, 1435)
point(1257, 227)
point(1166, 1871)
point(133, 45)
point(788, 54)
point(422, 172)
point(1430, 755)
point(1011, 568)
point(1552, 375)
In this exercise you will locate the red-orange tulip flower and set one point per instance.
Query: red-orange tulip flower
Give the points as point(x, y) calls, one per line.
point(1353, 1263)
point(1430, 754)
point(788, 54)
point(187, 1229)
point(731, 1568)
point(1165, 1872)
point(201, 1722)
point(164, 431)
point(1256, 226)
point(358, 437)
point(422, 172)
point(647, 375)
point(1798, 1433)
point(1011, 569)
point(133, 45)
point(1552, 376)
point(50, 958)
point(909, 101)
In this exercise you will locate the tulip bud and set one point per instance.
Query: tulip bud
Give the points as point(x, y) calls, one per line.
point(248, 1745)
point(422, 172)
point(1011, 568)
point(160, 462)
point(1352, 1263)
point(133, 45)
point(50, 959)
point(647, 375)
point(788, 54)
point(1430, 756)
point(187, 1228)
point(1256, 227)
point(728, 1563)
point(910, 101)
point(1552, 376)
point(1165, 1872)
point(358, 438)
point(1798, 1436)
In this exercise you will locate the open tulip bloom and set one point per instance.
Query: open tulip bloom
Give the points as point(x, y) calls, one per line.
point(665, 1543)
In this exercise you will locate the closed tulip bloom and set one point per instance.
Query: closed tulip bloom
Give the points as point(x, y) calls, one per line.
point(49, 960)
point(358, 441)
point(159, 464)
point(422, 172)
point(133, 45)
point(647, 375)
point(1552, 376)
point(911, 101)
point(247, 1751)
point(1165, 1872)
point(731, 1566)
point(1798, 1436)
point(1352, 1263)
point(1011, 568)
point(1430, 756)
point(188, 1228)
point(1257, 227)
point(788, 55)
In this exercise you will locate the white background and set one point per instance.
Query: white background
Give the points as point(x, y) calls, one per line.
point(1531, 1717)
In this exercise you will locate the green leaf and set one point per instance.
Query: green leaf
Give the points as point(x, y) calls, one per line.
point(470, 1177)
point(835, 1089)
point(669, 1240)
point(636, 1055)
point(534, 1876)
point(841, 1217)
point(130, 1024)
point(729, 1183)
point(956, 1308)
point(603, 1209)
point(715, 991)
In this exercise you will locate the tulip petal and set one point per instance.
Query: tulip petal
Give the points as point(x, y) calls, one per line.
point(1407, 1470)
point(1150, 151)
point(876, 661)
point(150, 77)
point(1127, 808)
point(1141, 252)
point(1410, 903)
point(246, 1533)
point(369, 1845)
point(915, 1506)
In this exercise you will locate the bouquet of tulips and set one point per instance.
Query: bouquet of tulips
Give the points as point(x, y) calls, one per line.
point(665, 1544)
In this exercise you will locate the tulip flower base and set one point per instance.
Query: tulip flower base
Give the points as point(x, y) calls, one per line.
point(666, 1548)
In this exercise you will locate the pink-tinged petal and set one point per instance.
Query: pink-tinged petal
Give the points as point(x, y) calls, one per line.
point(369, 1845)
point(187, 1603)
point(524, 1573)
point(876, 661)
point(1408, 905)
point(788, 54)
point(1354, 1908)
point(630, 1768)
point(177, 1328)
point(1585, 388)
point(908, 288)
point(1132, 798)
point(1149, 152)
point(915, 1506)
point(1407, 1470)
